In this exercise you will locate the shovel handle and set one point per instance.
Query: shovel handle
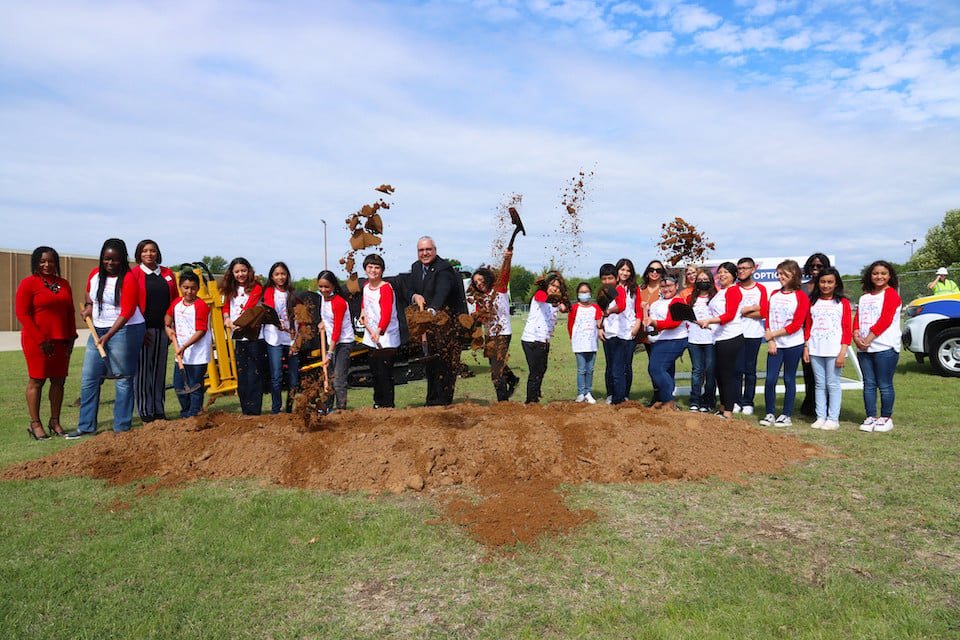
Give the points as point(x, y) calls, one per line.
point(96, 338)
point(323, 358)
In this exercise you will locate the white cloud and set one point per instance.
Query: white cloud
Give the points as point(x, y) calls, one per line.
point(652, 44)
point(689, 18)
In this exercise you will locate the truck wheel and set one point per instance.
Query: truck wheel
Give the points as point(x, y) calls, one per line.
point(945, 352)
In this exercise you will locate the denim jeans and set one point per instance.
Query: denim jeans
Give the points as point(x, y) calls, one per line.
point(747, 371)
point(878, 369)
point(123, 353)
point(585, 361)
point(190, 378)
point(276, 355)
point(622, 367)
point(663, 366)
point(339, 372)
point(788, 358)
point(703, 385)
point(250, 355)
point(828, 394)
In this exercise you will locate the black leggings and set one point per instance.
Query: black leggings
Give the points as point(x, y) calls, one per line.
point(536, 353)
point(725, 365)
point(381, 370)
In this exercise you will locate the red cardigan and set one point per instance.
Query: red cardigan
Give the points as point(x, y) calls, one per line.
point(165, 273)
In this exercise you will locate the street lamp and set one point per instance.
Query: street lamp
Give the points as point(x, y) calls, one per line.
point(911, 243)
point(325, 243)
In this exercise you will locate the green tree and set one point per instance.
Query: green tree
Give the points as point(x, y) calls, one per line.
point(941, 247)
point(216, 264)
point(521, 279)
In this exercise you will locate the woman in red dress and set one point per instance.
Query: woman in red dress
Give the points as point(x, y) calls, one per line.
point(44, 307)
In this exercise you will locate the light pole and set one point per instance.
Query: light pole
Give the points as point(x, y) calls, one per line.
point(911, 243)
point(324, 243)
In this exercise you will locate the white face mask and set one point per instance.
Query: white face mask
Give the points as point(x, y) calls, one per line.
point(583, 297)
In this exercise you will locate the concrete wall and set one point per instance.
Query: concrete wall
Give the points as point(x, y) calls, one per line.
point(15, 266)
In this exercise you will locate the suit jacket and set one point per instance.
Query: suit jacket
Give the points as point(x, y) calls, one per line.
point(439, 284)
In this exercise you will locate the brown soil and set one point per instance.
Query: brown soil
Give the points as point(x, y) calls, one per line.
point(511, 459)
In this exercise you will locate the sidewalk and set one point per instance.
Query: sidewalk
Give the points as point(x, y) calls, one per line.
point(10, 340)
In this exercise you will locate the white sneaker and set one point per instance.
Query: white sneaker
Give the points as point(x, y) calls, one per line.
point(705, 409)
point(589, 399)
point(748, 410)
point(818, 423)
point(868, 424)
point(737, 408)
point(609, 399)
point(768, 420)
point(783, 421)
point(830, 425)
point(883, 424)
point(694, 408)
point(580, 398)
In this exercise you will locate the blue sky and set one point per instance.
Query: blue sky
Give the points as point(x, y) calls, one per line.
point(233, 128)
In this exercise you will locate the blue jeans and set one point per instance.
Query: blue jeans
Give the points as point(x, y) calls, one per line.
point(703, 385)
point(747, 371)
point(190, 378)
point(786, 358)
point(585, 360)
point(663, 366)
point(123, 353)
point(622, 367)
point(828, 394)
point(275, 358)
point(249, 358)
point(878, 369)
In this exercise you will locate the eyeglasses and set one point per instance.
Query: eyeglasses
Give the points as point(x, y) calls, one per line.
point(816, 265)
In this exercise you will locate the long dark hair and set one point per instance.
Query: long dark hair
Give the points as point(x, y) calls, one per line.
point(488, 278)
point(270, 282)
point(837, 292)
point(867, 282)
point(824, 260)
point(332, 279)
point(139, 250)
point(631, 285)
point(645, 277)
point(230, 285)
point(118, 245)
point(712, 291)
point(38, 254)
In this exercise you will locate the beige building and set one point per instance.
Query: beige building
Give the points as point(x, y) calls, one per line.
point(15, 266)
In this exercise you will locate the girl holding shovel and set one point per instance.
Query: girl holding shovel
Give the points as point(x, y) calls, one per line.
point(117, 327)
point(336, 323)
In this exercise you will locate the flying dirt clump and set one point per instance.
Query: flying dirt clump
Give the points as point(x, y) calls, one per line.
point(366, 227)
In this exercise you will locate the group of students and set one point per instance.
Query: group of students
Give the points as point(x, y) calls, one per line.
point(137, 313)
point(732, 316)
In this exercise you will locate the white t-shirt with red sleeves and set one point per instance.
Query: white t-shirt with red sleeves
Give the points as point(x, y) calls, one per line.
point(187, 320)
point(731, 320)
point(701, 309)
point(828, 328)
point(582, 323)
point(378, 310)
point(273, 335)
point(337, 324)
point(541, 320)
point(787, 311)
point(752, 327)
point(660, 310)
point(880, 313)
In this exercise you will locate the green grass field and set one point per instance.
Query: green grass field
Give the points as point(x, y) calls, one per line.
point(865, 544)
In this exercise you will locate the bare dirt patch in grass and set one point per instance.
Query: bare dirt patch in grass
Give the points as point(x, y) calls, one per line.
point(514, 458)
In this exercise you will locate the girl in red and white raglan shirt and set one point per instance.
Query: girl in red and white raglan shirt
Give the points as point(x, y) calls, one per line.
point(187, 322)
point(583, 323)
point(241, 291)
point(785, 312)
point(728, 341)
point(876, 332)
point(279, 295)
point(535, 340)
point(494, 297)
point(827, 333)
point(336, 323)
point(668, 340)
point(382, 332)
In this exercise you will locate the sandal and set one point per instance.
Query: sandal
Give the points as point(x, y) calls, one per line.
point(32, 431)
point(54, 426)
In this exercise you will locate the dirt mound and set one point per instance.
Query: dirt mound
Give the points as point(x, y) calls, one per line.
point(513, 457)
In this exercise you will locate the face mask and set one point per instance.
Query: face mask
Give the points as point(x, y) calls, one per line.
point(703, 286)
point(583, 297)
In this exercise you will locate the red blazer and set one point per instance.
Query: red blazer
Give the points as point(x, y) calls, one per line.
point(165, 273)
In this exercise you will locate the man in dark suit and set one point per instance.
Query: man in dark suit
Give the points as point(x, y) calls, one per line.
point(434, 284)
